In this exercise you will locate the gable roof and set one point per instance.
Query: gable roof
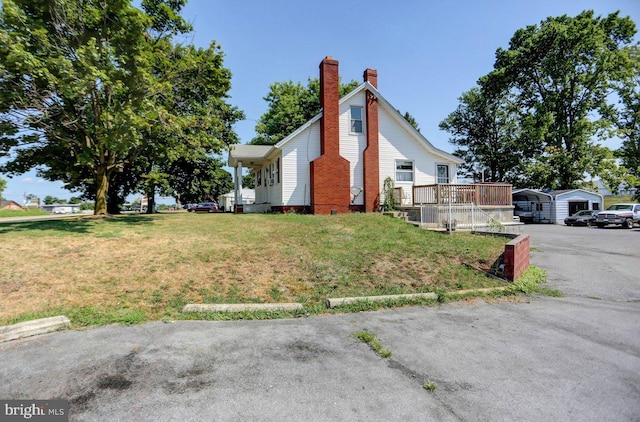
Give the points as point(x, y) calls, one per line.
point(550, 194)
point(6, 203)
point(256, 155)
point(557, 193)
point(390, 109)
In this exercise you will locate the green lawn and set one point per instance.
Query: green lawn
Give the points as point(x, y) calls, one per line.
point(610, 200)
point(134, 268)
point(21, 213)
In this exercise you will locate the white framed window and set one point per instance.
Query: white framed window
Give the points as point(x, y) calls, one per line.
point(442, 173)
point(259, 178)
point(356, 119)
point(271, 173)
point(404, 171)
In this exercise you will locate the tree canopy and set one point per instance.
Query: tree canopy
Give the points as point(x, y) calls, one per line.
point(290, 106)
point(95, 93)
point(547, 98)
point(485, 129)
point(626, 119)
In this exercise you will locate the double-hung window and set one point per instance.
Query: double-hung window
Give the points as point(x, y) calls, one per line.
point(356, 120)
point(404, 171)
point(442, 173)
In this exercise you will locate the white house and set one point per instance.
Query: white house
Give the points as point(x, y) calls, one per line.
point(337, 161)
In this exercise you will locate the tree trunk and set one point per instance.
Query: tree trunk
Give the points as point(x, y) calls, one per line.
point(151, 202)
point(102, 188)
point(113, 203)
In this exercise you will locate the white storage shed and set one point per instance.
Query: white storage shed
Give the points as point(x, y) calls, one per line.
point(554, 206)
point(227, 200)
point(569, 202)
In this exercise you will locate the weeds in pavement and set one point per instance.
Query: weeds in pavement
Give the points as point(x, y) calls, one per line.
point(372, 340)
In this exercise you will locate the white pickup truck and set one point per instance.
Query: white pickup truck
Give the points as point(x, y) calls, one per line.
point(624, 215)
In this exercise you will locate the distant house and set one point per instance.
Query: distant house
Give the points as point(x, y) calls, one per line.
point(9, 205)
point(62, 208)
point(226, 201)
point(604, 190)
point(337, 161)
point(554, 206)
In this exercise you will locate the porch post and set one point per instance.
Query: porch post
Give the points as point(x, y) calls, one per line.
point(238, 188)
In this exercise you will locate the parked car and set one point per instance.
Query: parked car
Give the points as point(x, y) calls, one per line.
point(624, 215)
point(581, 218)
point(525, 216)
point(204, 207)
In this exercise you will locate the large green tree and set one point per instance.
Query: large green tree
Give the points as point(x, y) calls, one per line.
point(486, 131)
point(96, 93)
point(203, 179)
point(559, 74)
point(290, 106)
point(201, 120)
point(73, 83)
point(626, 118)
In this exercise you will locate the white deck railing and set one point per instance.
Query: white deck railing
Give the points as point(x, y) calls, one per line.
point(461, 216)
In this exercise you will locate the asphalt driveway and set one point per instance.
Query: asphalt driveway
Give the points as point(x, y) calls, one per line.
point(543, 358)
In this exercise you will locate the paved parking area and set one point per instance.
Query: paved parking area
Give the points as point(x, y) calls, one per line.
point(588, 261)
point(575, 358)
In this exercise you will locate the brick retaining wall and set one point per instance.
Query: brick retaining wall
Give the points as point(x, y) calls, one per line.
point(516, 257)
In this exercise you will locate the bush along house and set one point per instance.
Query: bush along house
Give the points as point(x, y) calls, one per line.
point(337, 161)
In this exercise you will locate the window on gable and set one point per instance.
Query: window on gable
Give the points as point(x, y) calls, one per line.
point(442, 173)
point(356, 119)
point(404, 171)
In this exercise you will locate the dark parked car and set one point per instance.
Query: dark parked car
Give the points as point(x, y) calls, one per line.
point(581, 218)
point(204, 207)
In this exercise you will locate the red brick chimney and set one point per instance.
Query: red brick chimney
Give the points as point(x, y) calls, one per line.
point(371, 76)
point(371, 154)
point(330, 173)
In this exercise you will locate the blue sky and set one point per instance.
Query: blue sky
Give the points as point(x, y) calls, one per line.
point(426, 52)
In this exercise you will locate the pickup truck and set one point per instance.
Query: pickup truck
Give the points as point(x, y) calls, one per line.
point(624, 215)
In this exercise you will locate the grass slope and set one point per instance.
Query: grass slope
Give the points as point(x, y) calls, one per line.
point(134, 268)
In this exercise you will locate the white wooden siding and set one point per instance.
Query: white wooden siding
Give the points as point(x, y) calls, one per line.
point(261, 190)
point(396, 143)
point(296, 156)
point(266, 192)
point(352, 145)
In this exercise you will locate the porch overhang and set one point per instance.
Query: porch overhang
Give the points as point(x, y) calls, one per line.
point(249, 155)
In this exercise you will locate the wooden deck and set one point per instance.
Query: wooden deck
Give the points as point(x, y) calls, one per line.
point(481, 194)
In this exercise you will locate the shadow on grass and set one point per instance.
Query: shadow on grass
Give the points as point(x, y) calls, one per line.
point(74, 225)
